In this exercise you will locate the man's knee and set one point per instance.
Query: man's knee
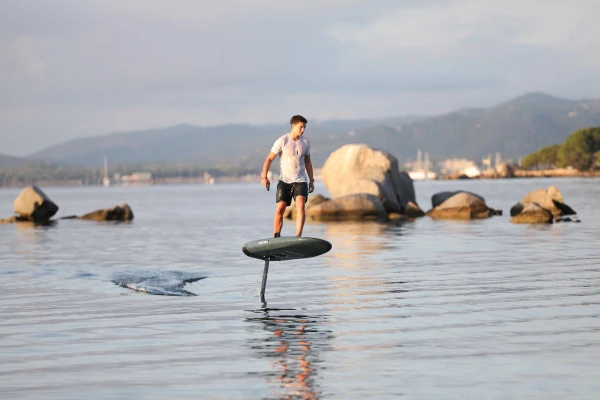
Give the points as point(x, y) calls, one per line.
point(300, 203)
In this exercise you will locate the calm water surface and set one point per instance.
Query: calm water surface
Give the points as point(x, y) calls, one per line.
point(167, 306)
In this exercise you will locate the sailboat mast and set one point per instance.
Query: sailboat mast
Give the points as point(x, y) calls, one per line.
point(105, 180)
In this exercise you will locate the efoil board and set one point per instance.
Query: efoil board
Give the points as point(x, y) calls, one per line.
point(286, 248)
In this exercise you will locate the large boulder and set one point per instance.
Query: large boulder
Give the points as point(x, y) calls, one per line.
point(32, 204)
point(461, 205)
point(122, 212)
point(351, 207)
point(533, 213)
point(360, 169)
point(290, 211)
point(551, 199)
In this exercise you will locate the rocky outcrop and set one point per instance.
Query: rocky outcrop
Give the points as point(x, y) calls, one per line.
point(290, 211)
point(550, 199)
point(460, 205)
point(121, 212)
point(32, 204)
point(532, 213)
point(360, 169)
point(350, 207)
point(353, 206)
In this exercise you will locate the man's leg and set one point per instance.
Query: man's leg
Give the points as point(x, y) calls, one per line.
point(282, 199)
point(278, 220)
point(300, 214)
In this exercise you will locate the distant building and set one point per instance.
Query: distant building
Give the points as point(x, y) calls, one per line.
point(422, 175)
point(459, 165)
point(208, 178)
point(138, 177)
point(420, 169)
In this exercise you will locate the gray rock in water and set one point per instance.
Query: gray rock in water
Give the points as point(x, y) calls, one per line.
point(313, 199)
point(550, 199)
point(122, 212)
point(412, 210)
point(351, 207)
point(441, 197)
point(533, 213)
point(461, 205)
point(516, 209)
point(32, 204)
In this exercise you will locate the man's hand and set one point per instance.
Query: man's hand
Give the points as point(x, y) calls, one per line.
point(311, 186)
point(266, 183)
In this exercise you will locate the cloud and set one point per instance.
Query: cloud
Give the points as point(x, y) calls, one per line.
point(26, 62)
point(442, 27)
point(202, 11)
point(90, 67)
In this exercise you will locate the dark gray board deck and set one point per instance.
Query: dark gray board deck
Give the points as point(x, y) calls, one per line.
point(286, 248)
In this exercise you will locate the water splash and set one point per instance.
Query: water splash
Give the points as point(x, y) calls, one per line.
point(161, 283)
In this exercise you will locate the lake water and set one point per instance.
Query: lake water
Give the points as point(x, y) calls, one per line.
point(419, 310)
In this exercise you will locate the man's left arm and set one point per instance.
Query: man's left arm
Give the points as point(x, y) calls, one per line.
point(309, 171)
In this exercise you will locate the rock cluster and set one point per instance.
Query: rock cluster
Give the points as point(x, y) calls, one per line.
point(367, 184)
point(364, 183)
point(32, 205)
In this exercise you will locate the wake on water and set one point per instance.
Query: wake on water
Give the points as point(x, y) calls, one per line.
point(162, 283)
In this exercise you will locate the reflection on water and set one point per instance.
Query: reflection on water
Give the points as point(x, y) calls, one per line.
point(294, 344)
point(32, 237)
point(356, 241)
point(31, 232)
point(355, 245)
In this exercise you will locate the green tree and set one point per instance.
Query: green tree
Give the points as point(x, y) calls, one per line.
point(579, 150)
point(546, 157)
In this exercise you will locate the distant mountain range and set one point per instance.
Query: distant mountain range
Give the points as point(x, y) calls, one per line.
point(514, 129)
point(14, 162)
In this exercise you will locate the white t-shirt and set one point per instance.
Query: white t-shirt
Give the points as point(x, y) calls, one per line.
point(291, 158)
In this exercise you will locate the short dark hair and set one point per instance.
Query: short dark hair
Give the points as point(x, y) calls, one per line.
point(297, 118)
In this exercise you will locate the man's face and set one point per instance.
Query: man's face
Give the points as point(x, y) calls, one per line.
point(299, 127)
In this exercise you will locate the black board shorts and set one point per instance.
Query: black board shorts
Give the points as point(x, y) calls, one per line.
point(288, 191)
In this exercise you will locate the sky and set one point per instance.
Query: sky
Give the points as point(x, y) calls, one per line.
point(77, 68)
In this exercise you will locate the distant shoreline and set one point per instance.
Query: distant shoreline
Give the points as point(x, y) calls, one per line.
point(517, 174)
point(157, 181)
point(521, 173)
point(556, 173)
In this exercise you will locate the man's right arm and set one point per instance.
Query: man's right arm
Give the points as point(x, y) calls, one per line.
point(264, 179)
